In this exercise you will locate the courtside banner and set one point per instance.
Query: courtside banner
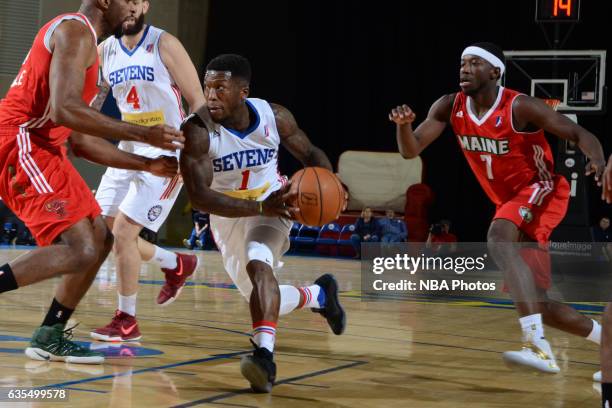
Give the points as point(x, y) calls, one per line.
point(567, 272)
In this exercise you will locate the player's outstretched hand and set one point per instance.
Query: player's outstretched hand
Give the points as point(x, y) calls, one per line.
point(163, 166)
point(346, 194)
point(597, 168)
point(165, 137)
point(402, 115)
point(278, 204)
point(606, 182)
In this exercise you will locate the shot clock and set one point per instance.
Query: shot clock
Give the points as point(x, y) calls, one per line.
point(557, 11)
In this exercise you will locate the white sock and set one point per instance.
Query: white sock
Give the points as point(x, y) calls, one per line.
point(264, 334)
point(532, 327)
point(311, 296)
point(127, 304)
point(289, 299)
point(165, 258)
point(595, 335)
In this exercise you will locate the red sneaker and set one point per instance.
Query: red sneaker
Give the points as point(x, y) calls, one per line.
point(175, 278)
point(123, 327)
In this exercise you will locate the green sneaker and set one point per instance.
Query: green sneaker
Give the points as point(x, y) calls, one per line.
point(52, 343)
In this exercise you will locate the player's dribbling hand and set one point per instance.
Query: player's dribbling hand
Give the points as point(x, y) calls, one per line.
point(346, 194)
point(165, 137)
point(402, 115)
point(278, 203)
point(163, 166)
point(597, 168)
point(606, 182)
point(346, 199)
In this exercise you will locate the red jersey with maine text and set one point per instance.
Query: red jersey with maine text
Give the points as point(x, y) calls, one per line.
point(504, 160)
point(27, 103)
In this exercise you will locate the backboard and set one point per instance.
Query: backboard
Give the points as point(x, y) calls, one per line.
point(575, 77)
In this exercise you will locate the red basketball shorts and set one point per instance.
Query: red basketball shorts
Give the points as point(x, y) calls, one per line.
point(536, 210)
point(41, 186)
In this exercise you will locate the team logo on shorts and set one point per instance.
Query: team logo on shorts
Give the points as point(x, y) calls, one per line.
point(526, 214)
point(154, 213)
point(56, 206)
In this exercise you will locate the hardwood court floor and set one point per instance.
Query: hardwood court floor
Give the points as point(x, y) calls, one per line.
point(393, 354)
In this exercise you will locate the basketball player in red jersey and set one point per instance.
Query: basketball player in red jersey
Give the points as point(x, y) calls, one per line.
point(605, 376)
point(49, 97)
point(501, 133)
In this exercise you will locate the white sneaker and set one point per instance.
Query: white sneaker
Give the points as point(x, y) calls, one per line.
point(536, 354)
point(597, 377)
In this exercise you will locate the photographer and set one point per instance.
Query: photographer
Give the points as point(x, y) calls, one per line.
point(440, 240)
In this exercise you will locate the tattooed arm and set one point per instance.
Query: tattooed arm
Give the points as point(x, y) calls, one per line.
point(295, 140)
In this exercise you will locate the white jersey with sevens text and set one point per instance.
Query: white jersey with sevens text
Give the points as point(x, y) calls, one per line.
point(146, 95)
point(145, 92)
point(245, 164)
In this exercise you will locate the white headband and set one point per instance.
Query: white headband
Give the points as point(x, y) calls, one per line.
point(486, 55)
point(227, 75)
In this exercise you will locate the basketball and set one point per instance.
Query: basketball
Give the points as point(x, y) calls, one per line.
point(320, 196)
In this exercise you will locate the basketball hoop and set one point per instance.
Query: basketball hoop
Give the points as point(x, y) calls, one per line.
point(553, 103)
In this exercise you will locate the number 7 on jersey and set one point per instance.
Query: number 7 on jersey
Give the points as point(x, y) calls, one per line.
point(489, 162)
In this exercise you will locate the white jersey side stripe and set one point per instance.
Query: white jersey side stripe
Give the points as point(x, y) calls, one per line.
point(179, 100)
point(24, 164)
point(540, 191)
point(28, 164)
point(538, 158)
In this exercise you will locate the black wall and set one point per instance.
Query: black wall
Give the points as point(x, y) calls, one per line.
point(340, 66)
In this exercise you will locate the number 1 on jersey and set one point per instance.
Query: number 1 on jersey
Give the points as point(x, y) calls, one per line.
point(489, 161)
point(245, 179)
point(132, 98)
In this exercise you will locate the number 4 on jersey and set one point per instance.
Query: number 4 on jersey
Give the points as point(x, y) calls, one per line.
point(132, 98)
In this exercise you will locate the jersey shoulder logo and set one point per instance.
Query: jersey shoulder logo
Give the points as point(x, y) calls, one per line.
point(459, 114)
point(498, 121)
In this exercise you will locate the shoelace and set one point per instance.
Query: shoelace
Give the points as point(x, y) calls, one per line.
point(66, 343)
point(69, 332)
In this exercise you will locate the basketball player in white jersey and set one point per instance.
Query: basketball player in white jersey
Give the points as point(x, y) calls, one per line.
point(148, 70)
point(229, 166)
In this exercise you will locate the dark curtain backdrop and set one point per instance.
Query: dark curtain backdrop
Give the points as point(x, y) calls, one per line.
point(341, 65)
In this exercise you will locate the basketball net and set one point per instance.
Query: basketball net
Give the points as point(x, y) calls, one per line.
point(553, 103)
